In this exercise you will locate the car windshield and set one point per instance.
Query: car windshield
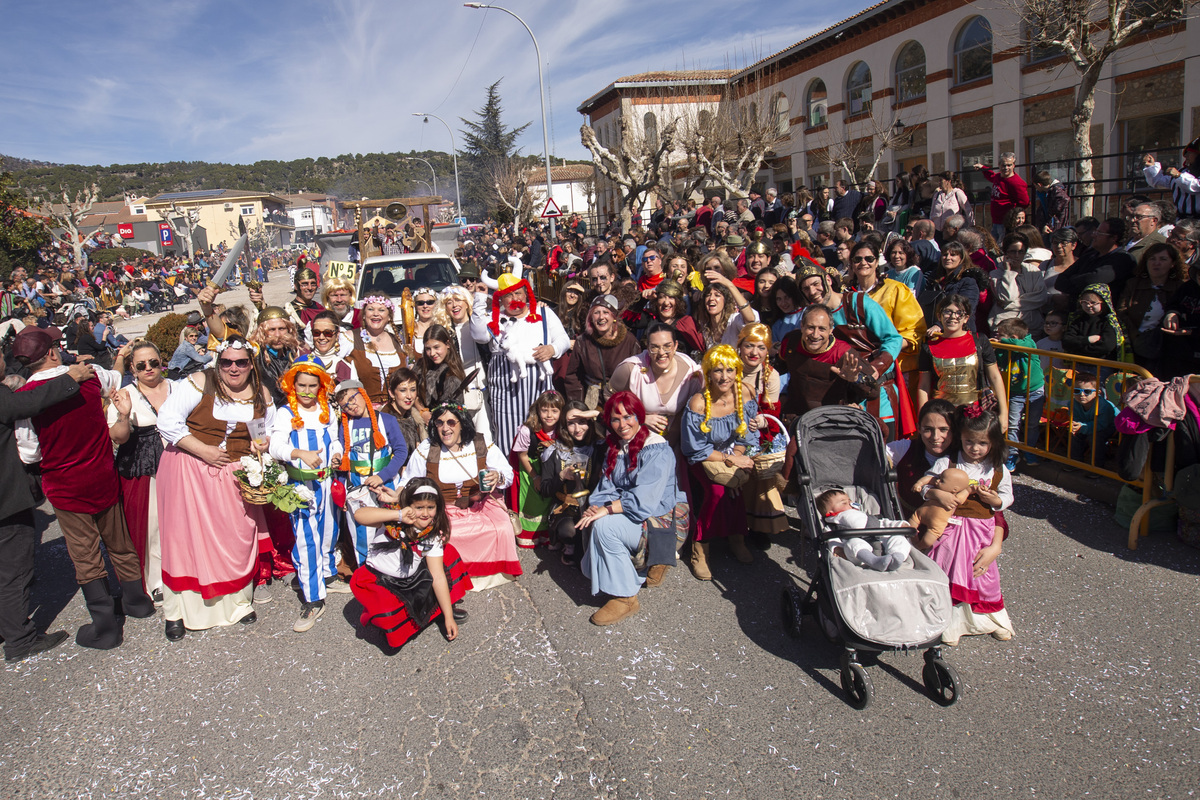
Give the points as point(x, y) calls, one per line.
point(392, 278)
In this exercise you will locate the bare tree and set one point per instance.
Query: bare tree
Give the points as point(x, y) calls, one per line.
point(70, 215)
point(727, 146)
point(1088, 32)
point(190, 218)
point(858, 159)
point(634, 164)
point(510, 188)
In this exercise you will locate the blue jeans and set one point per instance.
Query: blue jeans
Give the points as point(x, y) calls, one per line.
point(1033, 426)
point(998, 231)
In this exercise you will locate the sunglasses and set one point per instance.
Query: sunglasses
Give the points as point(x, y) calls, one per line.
point(446, 423)
point(863, 259)
point(238, 363)
point(1085, 391)
point(324, 334)
point(152, 364)
point(424, 302)
point(650, 258)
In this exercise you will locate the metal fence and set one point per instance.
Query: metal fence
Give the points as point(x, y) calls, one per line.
point(1059, 422)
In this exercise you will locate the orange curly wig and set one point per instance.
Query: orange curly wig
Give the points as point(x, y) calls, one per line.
point(287, 385)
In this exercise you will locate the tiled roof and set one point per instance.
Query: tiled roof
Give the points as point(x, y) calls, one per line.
point(677, 75)
point(819, 34)
point(564, 173)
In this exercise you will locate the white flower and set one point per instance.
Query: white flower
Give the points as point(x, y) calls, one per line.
point(248, 462)
point(266, 460)
point(254, 479)
point(304, 493)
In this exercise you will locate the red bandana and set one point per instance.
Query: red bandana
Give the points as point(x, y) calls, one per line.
point(650, 281)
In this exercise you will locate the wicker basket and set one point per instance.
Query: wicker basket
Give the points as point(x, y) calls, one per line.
point(768, 465)
point(255, 495)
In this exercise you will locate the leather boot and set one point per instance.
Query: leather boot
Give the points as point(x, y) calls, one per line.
point(737, 546)
point(134, 600)
point(105, 630)
point(655, 575)
point(699, 562)
point(616, 610)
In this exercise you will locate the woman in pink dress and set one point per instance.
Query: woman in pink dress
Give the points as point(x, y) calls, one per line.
point(210, 536)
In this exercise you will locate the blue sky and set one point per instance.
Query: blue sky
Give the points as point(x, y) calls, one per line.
point(216, 80)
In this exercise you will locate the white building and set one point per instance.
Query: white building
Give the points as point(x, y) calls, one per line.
point(307, 211)
point(956, 77)
point(573, 192)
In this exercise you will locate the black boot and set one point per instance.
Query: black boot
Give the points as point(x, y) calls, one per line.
point(104, 632)
point(134, 600)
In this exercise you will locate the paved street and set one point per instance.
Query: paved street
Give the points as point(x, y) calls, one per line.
point(699, 695)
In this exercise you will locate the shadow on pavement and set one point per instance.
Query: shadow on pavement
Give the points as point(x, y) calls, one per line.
point(1159, 549)
point(54, 581)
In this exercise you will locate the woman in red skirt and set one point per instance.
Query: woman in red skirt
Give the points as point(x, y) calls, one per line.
point(412, 575)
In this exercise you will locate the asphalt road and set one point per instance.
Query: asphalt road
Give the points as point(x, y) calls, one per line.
point(700, 695)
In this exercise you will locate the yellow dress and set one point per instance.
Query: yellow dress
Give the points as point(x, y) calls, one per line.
point(905, 313)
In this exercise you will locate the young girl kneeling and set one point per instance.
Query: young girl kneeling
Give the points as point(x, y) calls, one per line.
point(968, 549)
point(412, 575)
point(532, 440)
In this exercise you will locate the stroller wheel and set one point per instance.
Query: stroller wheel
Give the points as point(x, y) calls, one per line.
point(941, 680)
point(790, 608)
point(857, 685)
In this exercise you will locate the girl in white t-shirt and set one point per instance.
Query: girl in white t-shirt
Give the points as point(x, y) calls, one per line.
point(412, 575)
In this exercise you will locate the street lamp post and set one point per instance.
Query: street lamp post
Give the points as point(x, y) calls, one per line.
point(453, 152)
point(541, 97)
point(431, 169)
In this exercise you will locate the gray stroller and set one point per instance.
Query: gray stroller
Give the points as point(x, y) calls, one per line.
point(864, 610)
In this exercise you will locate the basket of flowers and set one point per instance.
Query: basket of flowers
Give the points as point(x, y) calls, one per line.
point(768, 452)
point(262, 481)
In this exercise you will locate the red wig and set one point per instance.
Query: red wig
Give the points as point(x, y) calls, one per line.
point(629, 402)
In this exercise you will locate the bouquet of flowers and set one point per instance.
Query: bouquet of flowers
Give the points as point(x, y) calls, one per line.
point(261, 481)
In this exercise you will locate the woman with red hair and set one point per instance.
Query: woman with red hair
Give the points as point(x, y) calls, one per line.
point(637, 496)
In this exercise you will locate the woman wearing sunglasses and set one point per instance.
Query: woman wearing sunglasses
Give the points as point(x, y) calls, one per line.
point(209, 534)
point(133, 428)
point(425, 300)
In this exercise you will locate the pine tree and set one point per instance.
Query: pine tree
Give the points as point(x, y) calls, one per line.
point(487, 143)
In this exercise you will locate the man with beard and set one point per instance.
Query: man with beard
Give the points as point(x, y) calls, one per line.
point(278, 347)
point(605, 343)
point(522, 340)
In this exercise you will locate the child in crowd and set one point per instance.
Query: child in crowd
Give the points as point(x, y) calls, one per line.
point(412, 574)
point(403, 393)
point(440, 375)
point(1055, 324)
point(373, 452)
point(570, 471)
point(840, 514)
point(532, 439)
point(1094, 330)
point(1026, 387)
point(306, 442)
point(968, 549)
point(1093, 419)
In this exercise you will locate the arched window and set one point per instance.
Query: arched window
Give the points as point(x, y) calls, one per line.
point(650, 126)
point(910, 72)
point(858, 90)
point(780, 112)
point(973, 51)
point(816, 103)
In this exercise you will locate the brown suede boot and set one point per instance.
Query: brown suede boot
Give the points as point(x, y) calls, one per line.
point(616, 610)
point(699, 562)
point(737, 546)
point(656, 573)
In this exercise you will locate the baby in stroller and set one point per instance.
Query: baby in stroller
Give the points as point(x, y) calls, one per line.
point(839, 513)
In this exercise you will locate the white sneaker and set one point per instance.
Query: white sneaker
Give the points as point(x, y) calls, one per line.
point(262, 594)
point(335, 586)
point(309, 614)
